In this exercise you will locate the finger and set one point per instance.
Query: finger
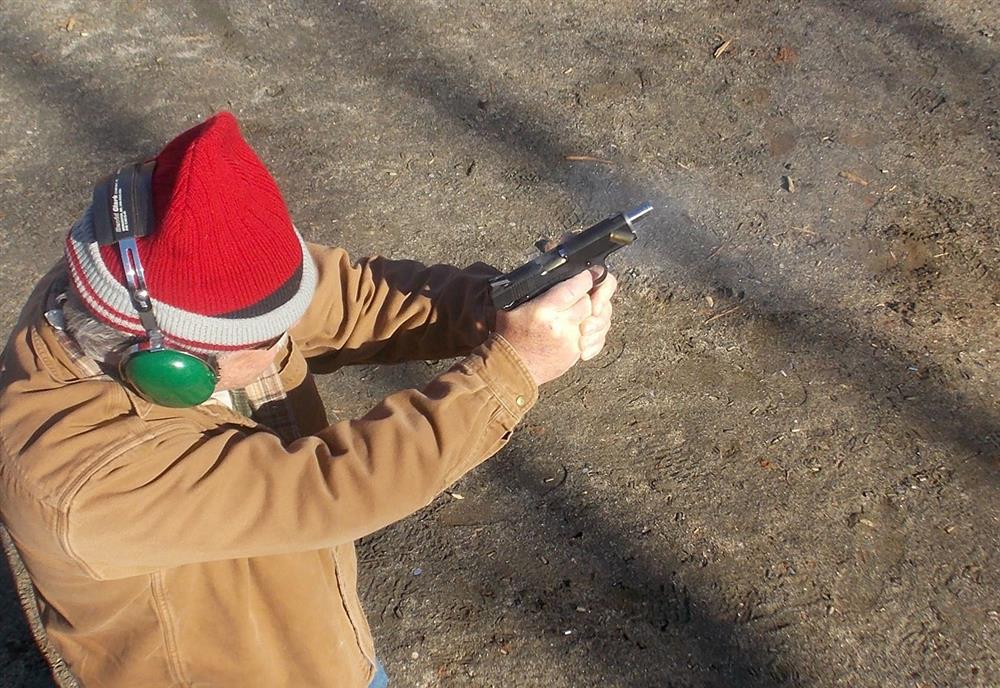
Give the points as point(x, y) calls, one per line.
point(602, 307)
point(595, 323)
point(607, 287)
point(566, 294)
point(601, 295)
point(590, 340)
point(590, 326)
point(590, 348)
point(607, 310)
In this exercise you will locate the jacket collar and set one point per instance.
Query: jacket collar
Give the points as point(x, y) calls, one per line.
point(64, 362)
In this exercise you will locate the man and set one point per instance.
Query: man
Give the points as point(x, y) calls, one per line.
point(212, 544)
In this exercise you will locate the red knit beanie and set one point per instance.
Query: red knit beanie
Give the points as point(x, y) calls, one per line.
point(226, 269)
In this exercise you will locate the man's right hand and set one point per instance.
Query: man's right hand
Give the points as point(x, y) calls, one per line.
point(546, 330)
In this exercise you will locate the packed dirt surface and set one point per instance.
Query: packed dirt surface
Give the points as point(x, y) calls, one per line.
point(783, 469)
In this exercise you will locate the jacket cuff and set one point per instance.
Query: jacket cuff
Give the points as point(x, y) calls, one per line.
point(506, 375)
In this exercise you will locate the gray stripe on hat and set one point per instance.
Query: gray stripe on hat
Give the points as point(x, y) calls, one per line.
point(174, 321)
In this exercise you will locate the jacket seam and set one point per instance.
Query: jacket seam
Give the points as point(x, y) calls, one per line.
point(484, 436)
point(347, 611)
point(166, 620)
point(64, 502)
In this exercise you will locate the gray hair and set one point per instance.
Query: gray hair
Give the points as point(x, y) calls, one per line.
point(95, 338)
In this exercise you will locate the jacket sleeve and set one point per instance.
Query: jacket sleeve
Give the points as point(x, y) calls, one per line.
point(186, 496)
point(381, 310)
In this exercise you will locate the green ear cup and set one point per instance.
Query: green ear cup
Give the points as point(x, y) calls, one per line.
point(169, 378)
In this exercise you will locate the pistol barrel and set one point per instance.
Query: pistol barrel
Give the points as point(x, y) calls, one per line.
point(637, 214)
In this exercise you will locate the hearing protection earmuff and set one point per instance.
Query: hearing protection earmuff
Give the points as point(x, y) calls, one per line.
point(123, 212)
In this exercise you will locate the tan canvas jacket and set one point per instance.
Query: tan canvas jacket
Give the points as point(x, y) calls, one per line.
point(191, 547)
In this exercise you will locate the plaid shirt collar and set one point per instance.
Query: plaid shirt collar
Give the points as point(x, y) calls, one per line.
point(268, 399)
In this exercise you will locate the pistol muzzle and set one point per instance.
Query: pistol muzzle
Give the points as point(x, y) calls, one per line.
point(637, 214)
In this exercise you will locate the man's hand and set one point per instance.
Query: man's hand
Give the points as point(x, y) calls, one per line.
point(553, 331)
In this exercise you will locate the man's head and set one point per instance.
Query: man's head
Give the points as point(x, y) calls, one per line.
point(227, 272)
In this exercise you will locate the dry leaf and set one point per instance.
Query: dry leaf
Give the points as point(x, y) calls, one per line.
point(786, 53)
point(722, 48)
point(851, 177)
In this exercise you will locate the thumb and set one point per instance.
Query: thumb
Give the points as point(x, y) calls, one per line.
point(565, 294)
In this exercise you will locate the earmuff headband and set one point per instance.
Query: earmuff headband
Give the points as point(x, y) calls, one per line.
point(123, 213)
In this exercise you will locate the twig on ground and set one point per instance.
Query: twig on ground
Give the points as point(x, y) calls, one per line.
point(722, 48)
point(587, 158)
point(722, 314)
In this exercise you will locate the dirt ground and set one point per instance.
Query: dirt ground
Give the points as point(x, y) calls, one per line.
point(783, 470)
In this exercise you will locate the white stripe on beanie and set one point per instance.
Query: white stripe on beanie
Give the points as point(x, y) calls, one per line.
point(108, 298)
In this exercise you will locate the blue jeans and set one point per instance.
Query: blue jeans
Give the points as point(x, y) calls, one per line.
point(380, 680)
